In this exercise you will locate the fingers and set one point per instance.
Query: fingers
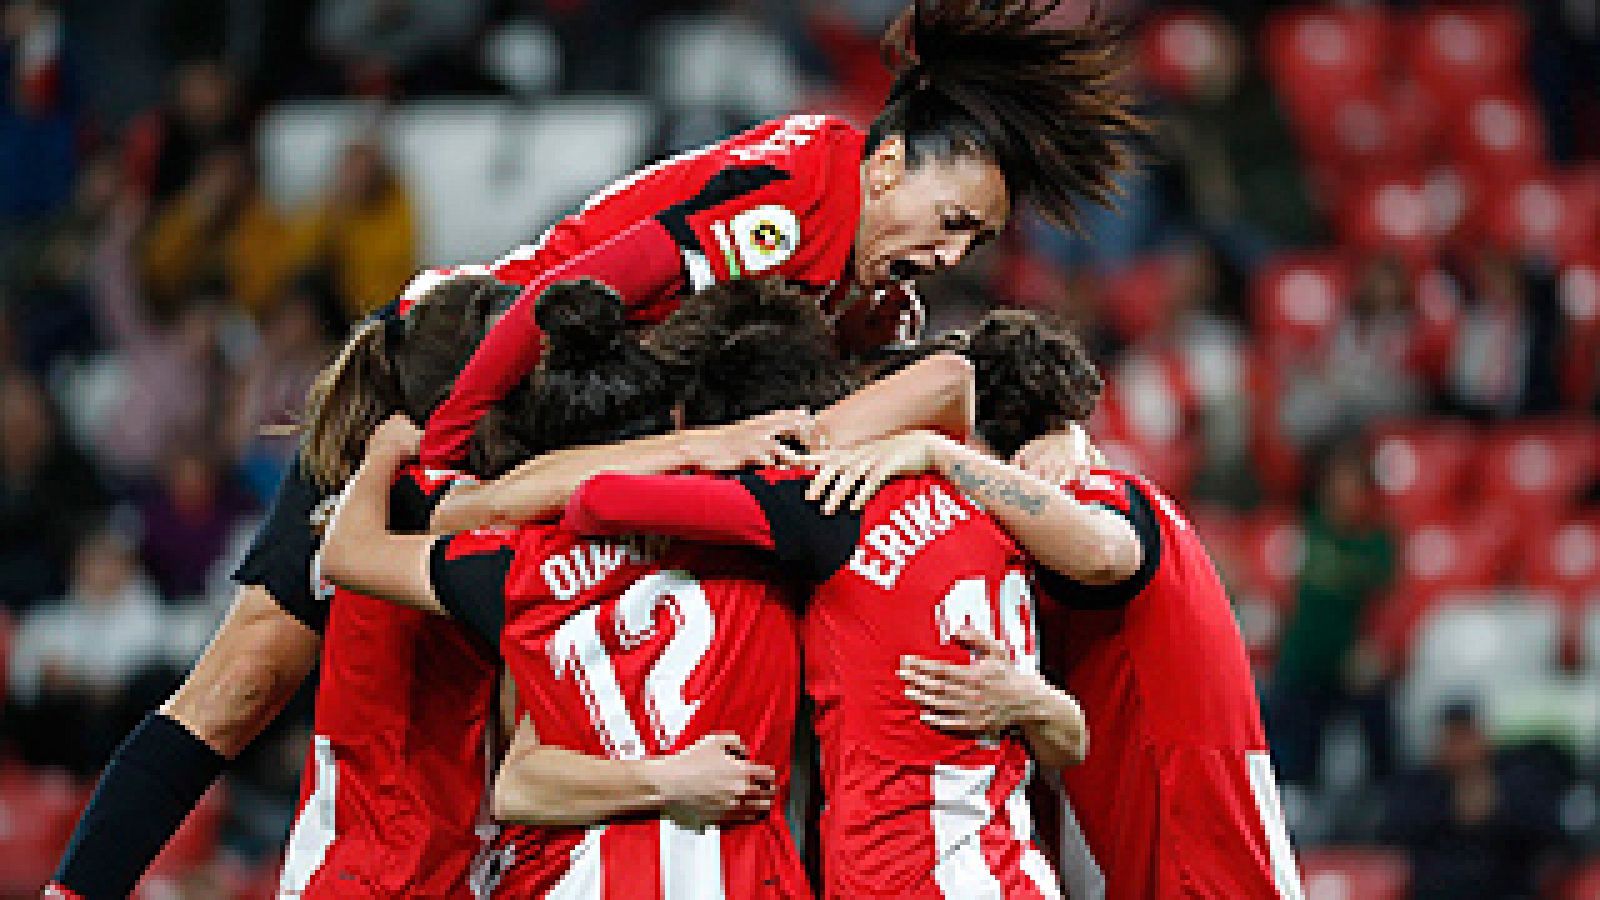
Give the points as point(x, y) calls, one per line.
point(982, 645)
point(875, 479)
point(849, 476)
point(730, 744)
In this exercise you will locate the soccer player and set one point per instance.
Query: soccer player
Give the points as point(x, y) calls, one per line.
point(618, 649)
point(1177, 798)
point(920, 571)
point(273, 635)
point(988, 107)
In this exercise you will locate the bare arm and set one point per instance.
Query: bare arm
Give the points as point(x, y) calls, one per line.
point(1088, 544)
point(256, 661)
point(360, 553)
point(542, 784)
point(935, 394)
point(541, 486)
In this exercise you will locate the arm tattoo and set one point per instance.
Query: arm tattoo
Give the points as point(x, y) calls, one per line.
point(987, 490)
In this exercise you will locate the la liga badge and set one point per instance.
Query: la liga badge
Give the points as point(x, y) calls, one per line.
point(765, 237)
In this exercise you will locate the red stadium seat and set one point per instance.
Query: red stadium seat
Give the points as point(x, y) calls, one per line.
point(1177, 48)
point(1350, 873)
point(1455, 552)
point(1578, 293)
point(1391, 214)
point(37, 811)
point(1584, 883)
point(1299, 299)
point(1358, 135)
point(1420, 469)
point(1459, 51)
point(1563, 557)
point(1537, 471)
point(1539, 215)
point(1137, 299)
point(1498, 134)
point(1316, 54)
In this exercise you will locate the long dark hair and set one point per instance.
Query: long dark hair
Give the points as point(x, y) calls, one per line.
point(743, 348)
point(594, 384)
point(392, 363)
point(1047, 105)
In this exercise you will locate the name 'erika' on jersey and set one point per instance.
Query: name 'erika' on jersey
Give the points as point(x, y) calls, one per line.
point(574, 571)
point(888, 547)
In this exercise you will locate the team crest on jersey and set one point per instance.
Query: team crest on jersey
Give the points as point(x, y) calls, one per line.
point(764, 237)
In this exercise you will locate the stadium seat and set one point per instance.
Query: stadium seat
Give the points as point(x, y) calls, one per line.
point(1584, 883)
point(1299, 299)
point(1578, 294)
point(1391, 213)
point(1419, 469)
point(1498, 134)
point(1358, 135)
point(1562, 557)
point(1459, 51)
point(1316, 54)
point(1351, 873)
point(37, 811)
point(1137, 299)
point(1178, 47)
point(1539, 215)
point(1537, 471)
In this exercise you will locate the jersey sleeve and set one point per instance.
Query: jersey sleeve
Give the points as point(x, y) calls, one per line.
point(705, 508)
point(641, 263)
point(784, 204)
point(280, 556)
point(469, 572)
point(1124, 497)
point(818, 545)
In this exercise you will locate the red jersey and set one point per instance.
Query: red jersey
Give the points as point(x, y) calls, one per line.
point(910, 812)
point(392, 797)
point(1177, 797)
point(621, 652)
point(780, 200)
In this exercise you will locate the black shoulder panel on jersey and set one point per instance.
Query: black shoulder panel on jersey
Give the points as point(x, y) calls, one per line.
point(472, 588)
point(410, 506)
point(279, 558)
point(1114, 596)
point(728, 184)
point(820, 545)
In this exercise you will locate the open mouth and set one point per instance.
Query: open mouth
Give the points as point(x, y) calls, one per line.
point(904, 270)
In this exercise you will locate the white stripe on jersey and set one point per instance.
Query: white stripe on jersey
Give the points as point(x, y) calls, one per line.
point(960, 812)
point(691, 863)
point(316, 829)
point(1265, 788)
point(1080, 872)
point(1034, 865)
point(585, 877)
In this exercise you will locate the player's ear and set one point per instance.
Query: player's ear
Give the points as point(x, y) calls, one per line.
point(886, 165)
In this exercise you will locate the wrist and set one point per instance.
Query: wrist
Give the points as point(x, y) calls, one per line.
point(655, 781)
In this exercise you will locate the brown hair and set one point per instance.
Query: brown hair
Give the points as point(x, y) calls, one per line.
point(1047, 105)
point(1033, 377)
point(392, 364)
point(743, 348)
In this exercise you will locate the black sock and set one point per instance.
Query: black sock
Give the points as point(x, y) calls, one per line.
point(152, 783)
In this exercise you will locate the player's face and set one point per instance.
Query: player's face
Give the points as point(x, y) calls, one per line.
point(915, 219)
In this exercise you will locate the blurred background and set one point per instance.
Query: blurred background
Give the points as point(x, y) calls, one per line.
point(1349, 315)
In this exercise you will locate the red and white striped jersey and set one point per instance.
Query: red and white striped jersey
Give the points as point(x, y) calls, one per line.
point(393, 793)
point(622, 651)
point(910, 812)
point(1177, 797)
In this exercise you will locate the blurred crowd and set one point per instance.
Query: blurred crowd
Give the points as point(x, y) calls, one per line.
point(1349, 314)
